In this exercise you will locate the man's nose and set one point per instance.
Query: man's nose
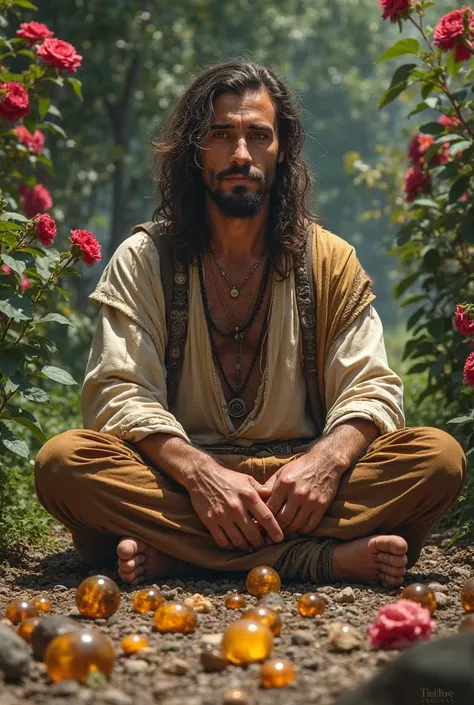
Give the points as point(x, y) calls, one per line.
point(241, 154)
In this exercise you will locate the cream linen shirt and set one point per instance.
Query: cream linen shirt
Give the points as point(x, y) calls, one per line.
point(124, 391)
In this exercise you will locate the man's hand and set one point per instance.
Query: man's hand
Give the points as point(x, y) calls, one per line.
point(226, 501)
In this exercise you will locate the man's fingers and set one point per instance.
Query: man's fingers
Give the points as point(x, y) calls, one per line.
point(312, 522)
point(286, 514)
point(265, 518)
point(237, 537)
point(277, 498)
point(251, 531)
point(299, 520)
point(220, 537)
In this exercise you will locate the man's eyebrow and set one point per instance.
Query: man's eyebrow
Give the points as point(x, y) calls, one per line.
point(252, 126)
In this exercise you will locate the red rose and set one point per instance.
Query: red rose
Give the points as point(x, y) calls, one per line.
point(469, 371)
point(462, 319)
point(24, 283)
point(418, 146)
point(35, 143)
point(34, 31)
point(396, 9)
point(60, 54)
point(399, 624)
point(87, 243)
point(36, 200)
point(456, 31)
point(450, 123)
point(46, 229)
point(415, 181)
point(14, 101)
point(442, 157)
point(5, 268)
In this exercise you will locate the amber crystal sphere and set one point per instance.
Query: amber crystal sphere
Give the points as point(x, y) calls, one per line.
point(175, 617)
point(235, 601)
point(77, 655)
point(266, 616)
point(247, 641)
point(467, 623)
point(25, 628)
point(134, 642)
point(310, 605)
point(417, 592)
point(261, 580)
point(43, 604)
point(19, 610)
point(147, 600)
point(467, 596)
point(98, 597)
point(277, 673)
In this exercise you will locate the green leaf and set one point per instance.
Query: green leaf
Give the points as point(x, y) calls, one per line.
point(461, 419)
point(43, 106)
point(404, 46)
point(16, 265)
point(26, 419)
point(402, 74)
point(13, 443)
point(18, 217)
point(58, 375)
point(53, 110)
point(427, 89)
point(425, 203)
point(431, 259)
point(392, 93)
point(417, 368)
point(55, 318)
point(77, 86)
point(413, 300)
point(448, 138)
point(25, 3)
point(432, 128)
point(33, 393)
point(415, 317)
point(458, 188)
point(10, 361)
point(17, 307)
point(404, 284)
point(452, 65)
point(52, 127)
point(460, 147)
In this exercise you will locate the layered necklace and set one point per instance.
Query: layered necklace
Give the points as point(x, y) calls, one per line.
point(235, 288)
point(236, 408)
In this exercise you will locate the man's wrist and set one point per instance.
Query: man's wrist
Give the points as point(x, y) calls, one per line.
point(346, 443)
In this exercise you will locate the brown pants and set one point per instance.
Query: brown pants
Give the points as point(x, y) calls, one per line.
point(101, 489)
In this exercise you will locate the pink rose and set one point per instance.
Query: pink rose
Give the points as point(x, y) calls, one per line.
point(60, 54)
point(5, 268)
point(46, 229)
point(462, 319)
point(35, 143)
point(450, 123)
point(399, 624)
point(396, 9)
point(418, 146)
point(87, 243)
point(456, 31)
point(469, 371)
point(14, 101)
point(36, 200)
point(24, 283)
point(34, 31)
point(415, 182)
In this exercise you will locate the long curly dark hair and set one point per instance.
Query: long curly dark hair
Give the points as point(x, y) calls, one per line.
point(179, 180)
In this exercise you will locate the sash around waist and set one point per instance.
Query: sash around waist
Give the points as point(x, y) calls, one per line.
point(265, 449)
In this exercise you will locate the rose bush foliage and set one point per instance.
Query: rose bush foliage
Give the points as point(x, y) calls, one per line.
point(31, 269)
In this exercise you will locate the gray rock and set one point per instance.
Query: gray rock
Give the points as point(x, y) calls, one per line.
point(214, 639)
point(136, 666)
point(113, 696)
point(176, 667)
point(49, 627)
point(65, 688)
point(272, 600)
point(442, 600)
point(14, 655)
point(163, 687)
point(437, 587)
point(346, 596)
point(60, 588)
point(312, 664)
point(301, 638)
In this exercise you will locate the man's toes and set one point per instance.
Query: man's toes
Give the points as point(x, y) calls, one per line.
point(392, 571)
point(390, 559)
point(129, 566)
point(127, 548)
point(388, 544)
point(391, 581)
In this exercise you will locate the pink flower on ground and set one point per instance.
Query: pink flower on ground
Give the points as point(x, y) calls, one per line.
point(60, 54)
point(87, 243)
point(46, 229)
point(34, 31)
point(450, 123)
point(400, 624)
point(5, 268)
point(462, 319)
point(36, 200)
point(24, 283)
point(35, 143)
point(415, 182)
point(14, 101)
point(456, 31)
point(395, 10)
point(469, 371)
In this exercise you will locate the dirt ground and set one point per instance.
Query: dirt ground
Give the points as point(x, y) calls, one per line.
point(147, 677)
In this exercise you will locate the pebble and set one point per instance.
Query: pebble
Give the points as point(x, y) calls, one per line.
point(301, 638)
point(60, 588)
point(177, 667)
point(136, 666)
point(235, 696)
point(65, 688)
point(461, 572)
point(14, 655)
point(163, 687)
point(346, 596)
point(214, 639)
point(312, 664)
point(114, 696)
point(441, 600)
point(343, 640)
point(199, 603)
point(437, 587)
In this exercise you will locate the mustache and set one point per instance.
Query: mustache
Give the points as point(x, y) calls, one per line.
point(239, 171)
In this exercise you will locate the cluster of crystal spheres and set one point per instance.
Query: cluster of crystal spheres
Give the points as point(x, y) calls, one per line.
point(71, 651)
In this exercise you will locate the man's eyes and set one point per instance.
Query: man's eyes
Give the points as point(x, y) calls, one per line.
point(253, 135)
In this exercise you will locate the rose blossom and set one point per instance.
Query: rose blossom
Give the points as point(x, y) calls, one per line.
point(450, 32)
point(395, 9)
point(46, 229)
point(24, 283)
point(36, 200)
point(34, 31)
point(15, 103)
point(462, 319)
point(415, 181)
point(450, 123)
point(399, 624)
point(86, 241)
point(418, 146)
point(5, 268)
point(469, 371)
point(60, 54)
point(35, 143)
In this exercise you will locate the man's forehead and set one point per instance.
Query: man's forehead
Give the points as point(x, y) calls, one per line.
point(254, 106)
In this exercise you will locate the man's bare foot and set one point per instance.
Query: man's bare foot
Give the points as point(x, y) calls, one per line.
point(371, 559)
point(138, 562)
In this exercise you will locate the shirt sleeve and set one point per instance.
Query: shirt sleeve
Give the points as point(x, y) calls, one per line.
point(124, 391)
point(358, 380)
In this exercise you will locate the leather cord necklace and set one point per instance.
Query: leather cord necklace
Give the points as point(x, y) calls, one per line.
point(235, 288)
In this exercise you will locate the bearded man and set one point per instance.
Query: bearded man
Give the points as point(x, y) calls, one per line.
point(257, 421)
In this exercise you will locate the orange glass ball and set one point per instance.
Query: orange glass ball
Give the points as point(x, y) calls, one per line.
point(467, 596)
point(43, 604)
point(235, 602)
point(133, 643)
point(25, 628)
point(277, 673)
point(175, 617)
point(77, 655)
point(98, 597)
point(147, 600)
point(467, 623)
point(310, 605)
point(417, 592)
point(19, 610)
point(266, 616)
point(247, 641)
point(261, 580)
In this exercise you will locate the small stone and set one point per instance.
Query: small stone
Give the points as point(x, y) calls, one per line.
point(235, 696)
point(213, 639)
point(176, 667)
point(60, 588)
point(437, 587)
point(272, 600)
point(113, 696)
point(49, 627)
point(163, 687)
point(136, 666)
point(312, 664)
point(213, 659)
point(14, 655)
point(441, 600)
point(65, 688)
point(302, 638)
point(199, 603)
point(343, 637)
point(346, 596)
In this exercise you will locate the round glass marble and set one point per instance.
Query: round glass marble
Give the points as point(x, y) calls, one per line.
point(98, 597)
point(261, 580)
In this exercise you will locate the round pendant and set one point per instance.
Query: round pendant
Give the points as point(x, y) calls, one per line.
point(234, 292)
point(236, 408)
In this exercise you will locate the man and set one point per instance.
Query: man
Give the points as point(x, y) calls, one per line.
point(237, 469)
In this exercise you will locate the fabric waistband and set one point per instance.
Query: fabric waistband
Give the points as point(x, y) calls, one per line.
point(301, 445)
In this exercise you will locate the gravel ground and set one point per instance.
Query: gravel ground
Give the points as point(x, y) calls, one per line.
point(147, 677)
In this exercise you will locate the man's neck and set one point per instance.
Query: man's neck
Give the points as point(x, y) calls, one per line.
point(237, 238)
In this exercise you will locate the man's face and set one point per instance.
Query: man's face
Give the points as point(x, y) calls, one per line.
point(241, 152)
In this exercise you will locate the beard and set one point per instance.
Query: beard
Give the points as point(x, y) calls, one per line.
point(241, 203)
